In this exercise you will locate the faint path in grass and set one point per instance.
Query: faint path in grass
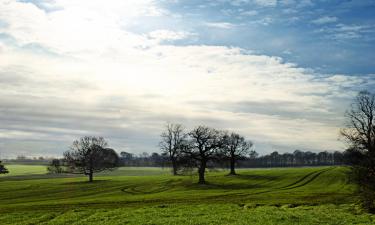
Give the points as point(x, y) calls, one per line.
point(306, 179)
point(157, 188)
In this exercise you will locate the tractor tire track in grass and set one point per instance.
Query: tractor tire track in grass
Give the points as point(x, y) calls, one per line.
point(165, 186)
point(162, 187)
point(299, 183)
point(306, 179)
point(135, 191)
point(299, 180)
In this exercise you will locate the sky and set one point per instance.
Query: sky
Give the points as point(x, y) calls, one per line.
point(282, 73)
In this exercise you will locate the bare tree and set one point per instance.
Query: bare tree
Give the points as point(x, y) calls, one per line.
point(89, 155)
point(173, 138)
point(360, 129)
point(204, 144)
point(235, 147)
point(360, 135)
point(3, 170)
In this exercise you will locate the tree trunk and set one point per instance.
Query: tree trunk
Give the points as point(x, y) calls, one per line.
point(174, 167)
point(91, 177)
point(91, 171)
point(201, 171)
point(232, 165)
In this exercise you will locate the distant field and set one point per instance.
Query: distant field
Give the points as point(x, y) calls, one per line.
point(19, 170)
point(320, 195)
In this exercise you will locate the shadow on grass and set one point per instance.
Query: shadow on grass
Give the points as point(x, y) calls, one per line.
point(80, 182)
point(38, 176)
point(255, 177)
point(209, 185)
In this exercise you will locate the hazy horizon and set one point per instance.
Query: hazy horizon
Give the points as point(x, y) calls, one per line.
point(279, 72)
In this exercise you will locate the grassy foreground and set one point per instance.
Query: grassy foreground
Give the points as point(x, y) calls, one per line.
point(151, 196)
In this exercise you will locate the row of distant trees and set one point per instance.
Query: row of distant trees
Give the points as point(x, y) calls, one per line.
point(22, 159)
point(297, 158)
point(252, 160)
point(275, 159)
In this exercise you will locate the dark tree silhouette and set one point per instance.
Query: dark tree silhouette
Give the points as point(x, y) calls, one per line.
point(297, 158)
point(173, 139)
point(3, 170)
point(89, 155)
point(235, 147)
point(360, 135)
point(126, 159)
point(204, 144)
point(186, 163)
point(323, 157)
point(55, 166)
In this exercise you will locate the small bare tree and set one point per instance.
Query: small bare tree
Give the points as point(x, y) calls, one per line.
point(173, 139)
point(204, 145)
point(360, 129)
point(234, 147)
point(89, 155)
point(360, 135)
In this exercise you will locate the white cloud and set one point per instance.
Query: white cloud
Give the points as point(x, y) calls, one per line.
point(265, 21)
point(168, 35)
point(263, 3)
point(221, 25)
point(342, 32)
point(100, 78)
point(249, 13)
point(266, 2)
point(325, 20)
point(78, 26)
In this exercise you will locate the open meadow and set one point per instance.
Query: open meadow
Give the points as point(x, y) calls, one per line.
point(320, 195)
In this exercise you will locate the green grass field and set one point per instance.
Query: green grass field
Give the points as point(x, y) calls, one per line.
point(320, 195)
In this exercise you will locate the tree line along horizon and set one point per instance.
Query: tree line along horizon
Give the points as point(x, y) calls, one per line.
point(231, 151)
point(205, 147)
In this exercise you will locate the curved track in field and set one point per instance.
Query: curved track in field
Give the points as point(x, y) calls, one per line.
point(308, 178)
point(301, 182)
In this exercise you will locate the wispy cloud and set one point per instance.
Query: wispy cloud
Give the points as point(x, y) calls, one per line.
point(249, 13)
point(168, 35)
point(221, 25)
point(325, 20)
point(266, 2)
point(347, 32)
point(95, 72)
